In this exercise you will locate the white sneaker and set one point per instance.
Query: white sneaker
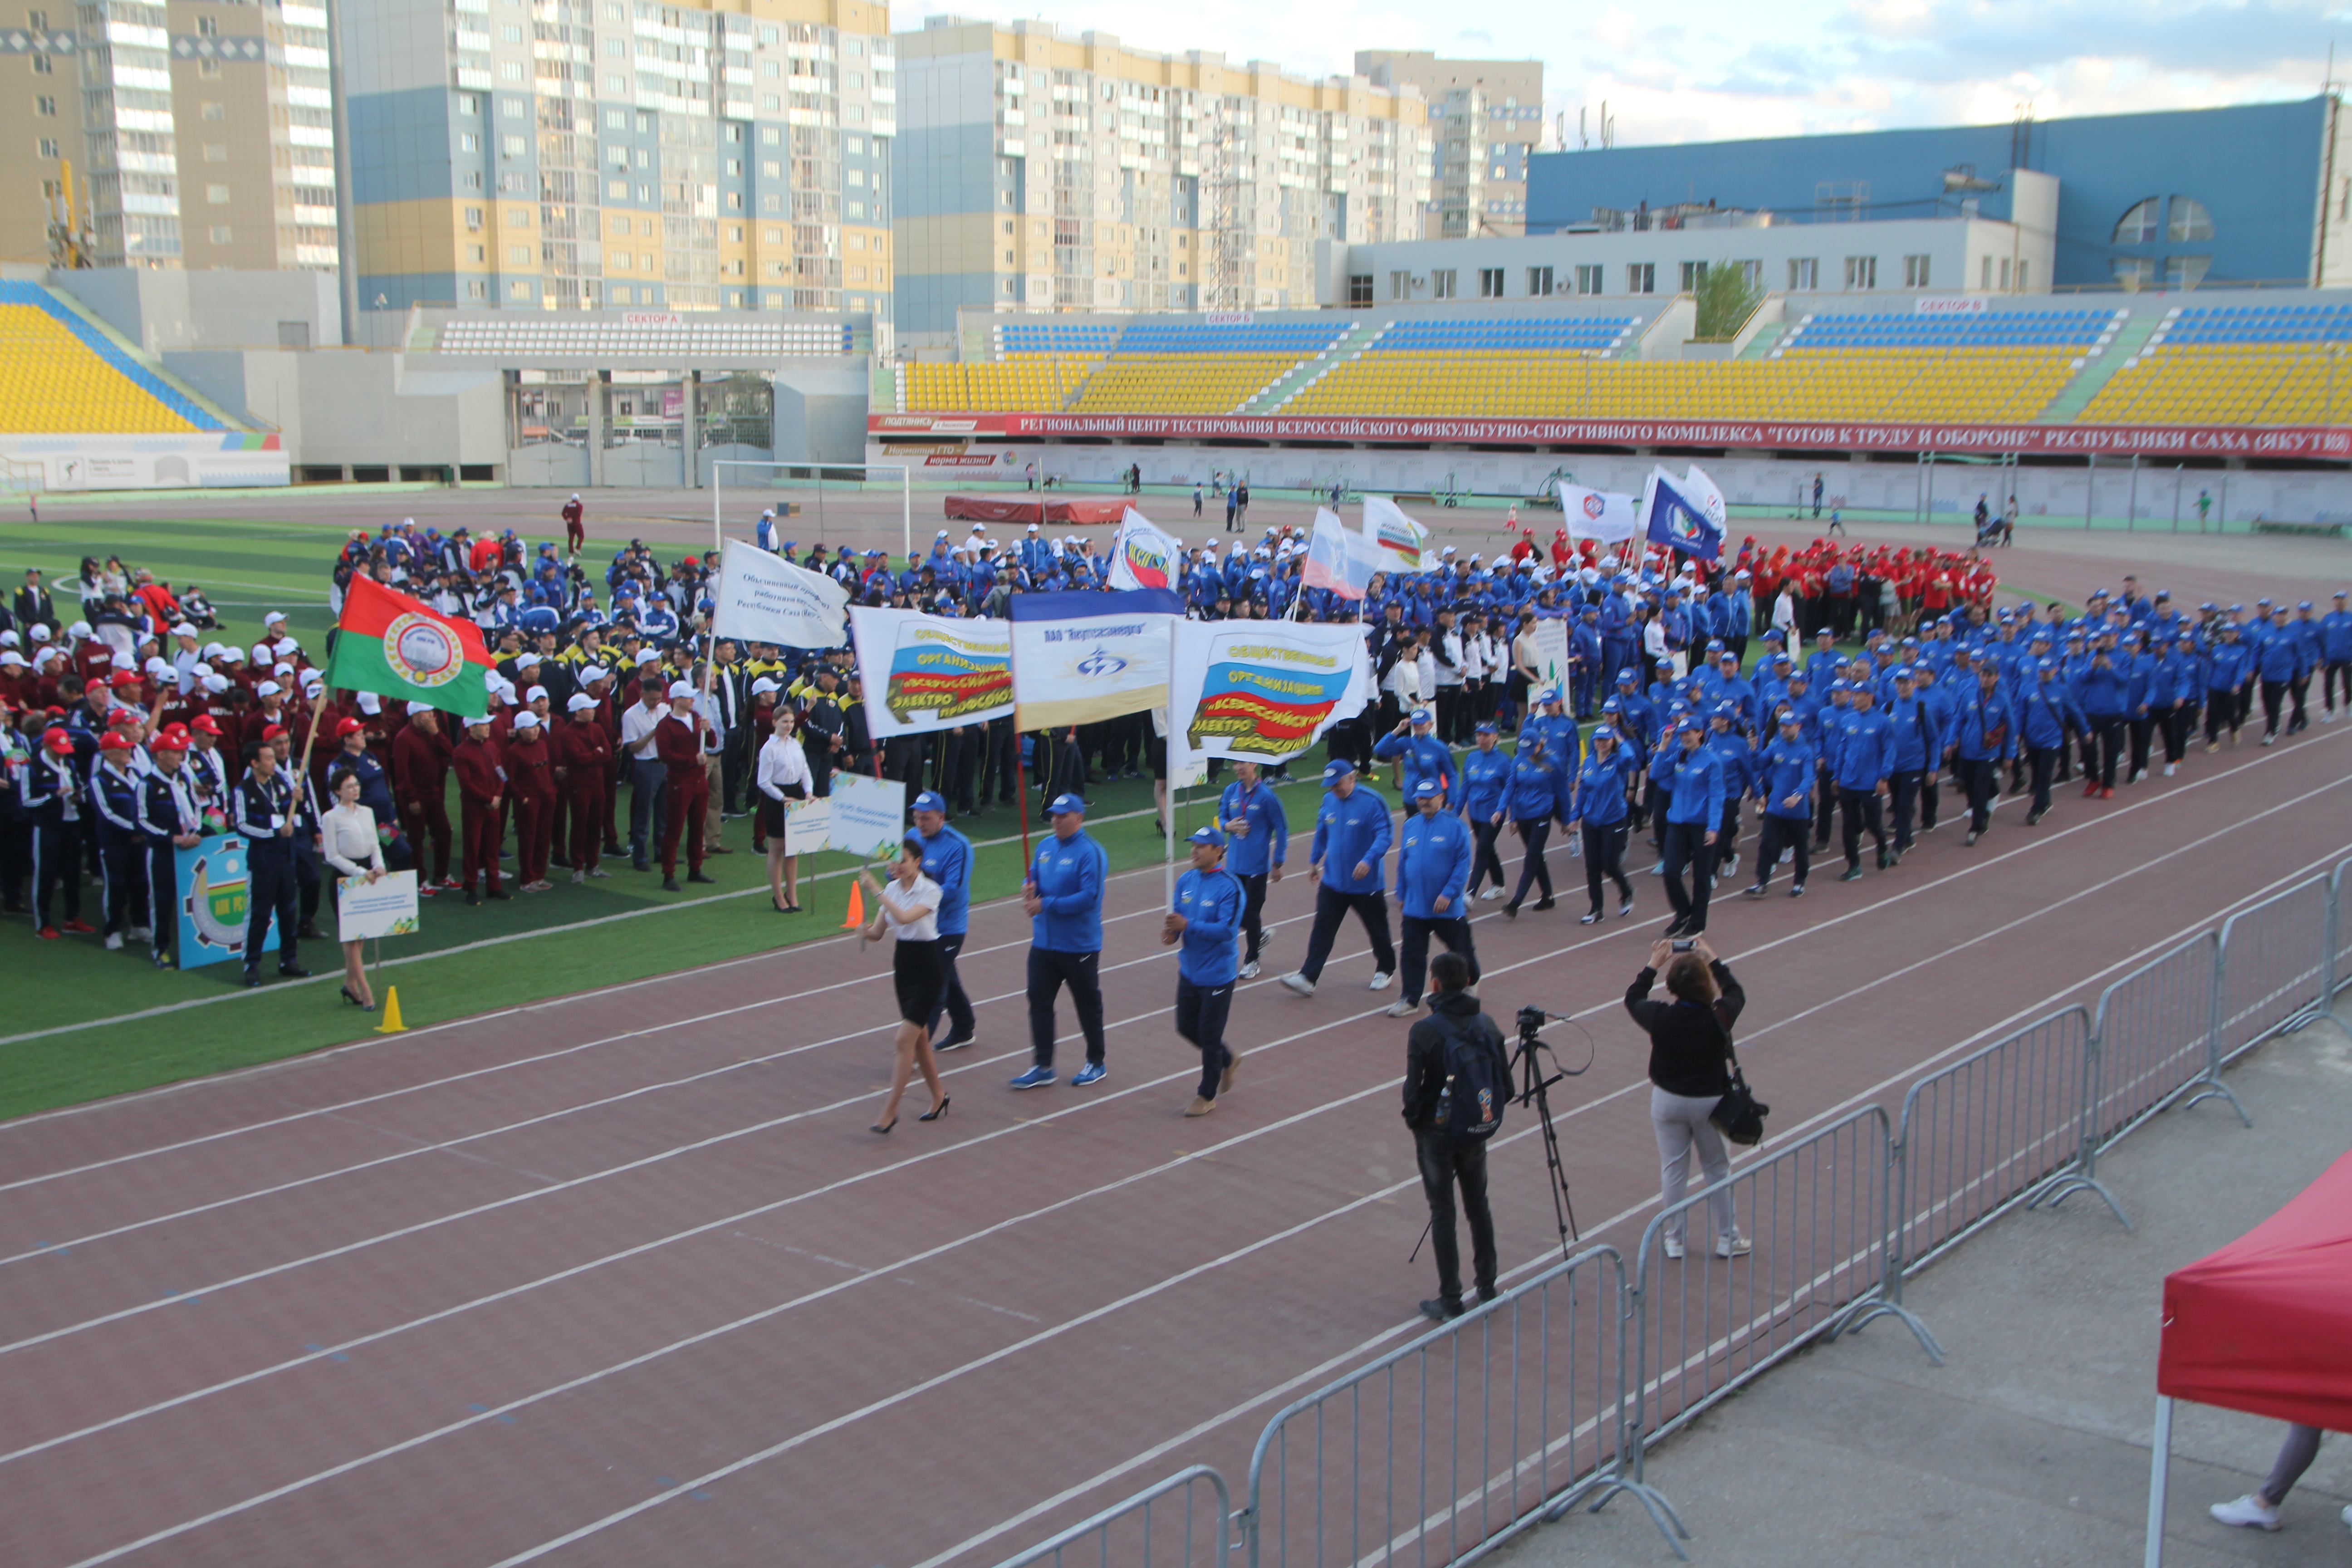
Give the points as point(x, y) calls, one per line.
point(2170, 768)
point(1490, 895)
point(1675, 1249)
point(2248, 1510)
point(114, 942)
point(1299, 983)
point(1249, 969)
point(1400, 1008)
point(141, 933)
point(1733, 1247)
point(1379, 982)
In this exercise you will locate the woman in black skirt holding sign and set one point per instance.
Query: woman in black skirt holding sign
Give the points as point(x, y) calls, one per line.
point(907, 906)
point(783, 775)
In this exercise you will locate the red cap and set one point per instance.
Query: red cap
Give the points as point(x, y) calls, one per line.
point(167, 742)
point(112, 742)
point(347, 727)
point(58, 742)
point(54, 711)
point(123, 678)
point(273, 732)
point(206, 722)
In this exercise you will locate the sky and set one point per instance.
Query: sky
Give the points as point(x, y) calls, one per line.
point(1709, 70)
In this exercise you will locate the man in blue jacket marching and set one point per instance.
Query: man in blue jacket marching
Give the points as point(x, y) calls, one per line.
point(1064, 896)
point(1432, 882)
point(1251, 813)
point(1351, 835)
point(1694, 816)
point(1866, 754)
point(1206, 917)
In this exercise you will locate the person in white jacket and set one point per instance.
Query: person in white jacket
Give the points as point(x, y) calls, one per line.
point(783, 774)
point(347, 837)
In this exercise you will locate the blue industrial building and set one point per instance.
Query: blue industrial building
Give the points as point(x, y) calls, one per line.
point(2256, 193)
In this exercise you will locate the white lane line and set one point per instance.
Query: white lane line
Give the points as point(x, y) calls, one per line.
point(1389, 1085)
point(661, 1156)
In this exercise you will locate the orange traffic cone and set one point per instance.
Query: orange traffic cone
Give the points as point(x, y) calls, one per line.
point(856, 908)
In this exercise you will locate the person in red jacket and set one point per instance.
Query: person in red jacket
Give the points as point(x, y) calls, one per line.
point(583, 772)
point(530, 782)
point(420, 772)
point(481, 787)
point(677, 741)
point(575, 530)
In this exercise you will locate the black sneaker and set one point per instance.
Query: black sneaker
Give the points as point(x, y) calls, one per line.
point(1754, 891)
point(1852, 874)
point(1441, 1311)
point(1882, 859)
point(670, 885)
point(1592, 919)
point(1545, 903)
point(1798, 891)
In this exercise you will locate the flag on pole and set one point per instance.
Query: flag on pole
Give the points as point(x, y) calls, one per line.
point(391, 644)
point(1337, 559)
point(1264, 690)
point(1681, 515)
point(1397, 542)
point(765, 598)
point(1597, 514)
point(1141, 556)
point(1082, 657)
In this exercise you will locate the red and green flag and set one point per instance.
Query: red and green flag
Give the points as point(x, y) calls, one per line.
point(390, 644)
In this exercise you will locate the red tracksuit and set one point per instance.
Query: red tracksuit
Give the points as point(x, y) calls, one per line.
point(585, 752)
point(481, 784)
point(678, 742)
point(420, 774)
point(531, 780)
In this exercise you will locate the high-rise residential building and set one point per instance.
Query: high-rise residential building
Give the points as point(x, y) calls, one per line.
point(191, 134)
point(565, 154)
point(1040, 170)
point(1485, 117)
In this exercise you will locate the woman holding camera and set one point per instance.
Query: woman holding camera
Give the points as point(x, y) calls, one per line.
point(1690, 1070)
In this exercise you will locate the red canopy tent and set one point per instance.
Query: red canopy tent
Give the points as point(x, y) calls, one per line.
point(2264, 1325)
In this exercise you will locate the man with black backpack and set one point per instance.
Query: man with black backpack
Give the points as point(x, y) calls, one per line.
point(1457, 1077)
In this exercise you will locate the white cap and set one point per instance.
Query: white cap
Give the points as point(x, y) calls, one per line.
point(185, 629)
point(536, 694)
point(526, 720)
point(260, 653)
point(580, 703)
point(525, 661)
point(273, 618)
point(268, 689)
point(411, 522)
point(678, 689)
point(370, 704)
point(417, 708)
point(283, 667)
point(762, 684)
point(313, 684)
point(200, 669)
point(79, 629)
point(594, 672)
point(217, 684)
point(153, 666)
point(10, 639)
point(41, 632)
point(12, 659)
point(647, 658)
point(477, 719)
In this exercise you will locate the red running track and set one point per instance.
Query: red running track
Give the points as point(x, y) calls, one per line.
point(623, 1279)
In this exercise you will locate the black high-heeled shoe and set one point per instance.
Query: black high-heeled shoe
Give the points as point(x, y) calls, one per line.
point(884, 1126)
point(351, 999)
point(936, 1111)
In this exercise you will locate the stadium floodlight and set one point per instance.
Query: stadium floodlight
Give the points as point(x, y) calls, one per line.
point(812, 482)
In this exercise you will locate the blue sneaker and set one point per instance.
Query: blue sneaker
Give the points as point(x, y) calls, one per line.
point(1035, 1077)
point(1092, 1072)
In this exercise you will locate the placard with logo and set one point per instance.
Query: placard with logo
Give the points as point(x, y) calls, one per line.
point(385, 907)
point(214, 905)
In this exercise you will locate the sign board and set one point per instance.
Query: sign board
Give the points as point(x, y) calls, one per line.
point(869, 816)
point(212, 906)
point(386, 908)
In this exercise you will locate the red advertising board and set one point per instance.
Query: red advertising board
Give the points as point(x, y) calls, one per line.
point(2158, 441)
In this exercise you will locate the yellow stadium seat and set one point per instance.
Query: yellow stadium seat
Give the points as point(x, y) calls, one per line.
point(52, 384)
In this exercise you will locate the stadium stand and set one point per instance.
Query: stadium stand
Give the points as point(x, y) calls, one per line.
point(1092, 340)
point(59, 375)
point(2238, 364)
point(522, 334)
point(1200, 368)
point(1031, 383)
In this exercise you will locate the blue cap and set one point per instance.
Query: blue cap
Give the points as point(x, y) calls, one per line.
point(2305, 604)
point(1548, 694)
point(930, 800)
point(1065, 802)
point(1487, 728)
point(1612, 706)
point(1427, 789)
point(1424, 716)
point(1727, 710)
point(1336, 769)
point(1629, 675)
point(1206, 834)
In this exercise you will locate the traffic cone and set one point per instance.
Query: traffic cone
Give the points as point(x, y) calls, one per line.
point(392, 1024)
point(856, 908)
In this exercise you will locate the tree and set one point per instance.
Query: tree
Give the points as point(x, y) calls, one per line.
point(1728, 295)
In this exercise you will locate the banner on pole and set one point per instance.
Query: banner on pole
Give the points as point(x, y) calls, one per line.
point(1337, 559)
point(1684, 514)
point(925, 672)
point(1552, 654)
point(762, 598)
point(1264, 690)
point(212, 881)
point(1597, 514)
point(1397, 543)
point(1079, 658)
point(868, 815)
point(1141, 556)
point(386, 907)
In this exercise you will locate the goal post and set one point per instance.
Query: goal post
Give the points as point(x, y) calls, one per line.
point(808, 486)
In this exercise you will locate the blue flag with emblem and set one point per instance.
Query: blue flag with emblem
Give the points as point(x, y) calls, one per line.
point(1684, 515)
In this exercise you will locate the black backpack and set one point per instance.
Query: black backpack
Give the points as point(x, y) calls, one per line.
point(1477, 1082)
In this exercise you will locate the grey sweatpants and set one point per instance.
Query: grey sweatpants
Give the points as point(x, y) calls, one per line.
point(1680, 1122)
point(2294, 1456)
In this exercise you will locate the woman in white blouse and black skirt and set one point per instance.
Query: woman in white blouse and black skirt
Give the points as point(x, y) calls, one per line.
point(784, 775)
point(908, 906)
point(348, 839)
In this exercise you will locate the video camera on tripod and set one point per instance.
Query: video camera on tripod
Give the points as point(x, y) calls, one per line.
point(1534, 1085)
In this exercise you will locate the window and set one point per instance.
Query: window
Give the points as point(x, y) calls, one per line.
point(511, 146)
point(207, 28)
point(771, 169)
point(517, 256)
point(473, 218)
point(614, 190)
point(216, 151)
point(41, 65)
point(2190, 222)
point(1985, 281)
point(1588, 279)
point(1915, 272)
point(2020, 276)
point(1400, 285)
point(511, 71)
point(219, 233)
point(47, 107)
point(36, 20)
point(1441, 283)
point(1360, 289)
point(517, 218)
point(2184, 272)
point(2140, 226)
point(1641, 277)
point(215, 112)
point(519, 290)
point(1538, 279)
point(1490, 282)
point(477, 255)
point(2004, 272)
point(1804, 272)
point(1862, 272)
point(477, 288)
point(468, 104)
point(510, 33)
point(1694, 276)
point(2131, 271)
point(49, 146)
point(469, 142)
point(218, 195)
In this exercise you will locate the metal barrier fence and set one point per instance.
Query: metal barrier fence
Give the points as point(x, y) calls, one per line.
point(1445, 1448)
point(1816, 1216)
point(1126, 1532)
point(2274, 968)
point(1985, 1133)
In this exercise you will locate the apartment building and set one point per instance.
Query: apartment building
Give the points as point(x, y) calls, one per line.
point(576, 154)
point(1042, 170)
point(1484, 118)
point(191, 134)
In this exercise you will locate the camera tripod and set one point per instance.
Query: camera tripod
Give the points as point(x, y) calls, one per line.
point(1534, 1086)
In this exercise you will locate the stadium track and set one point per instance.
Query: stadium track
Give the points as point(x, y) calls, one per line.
point(623, 1279)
